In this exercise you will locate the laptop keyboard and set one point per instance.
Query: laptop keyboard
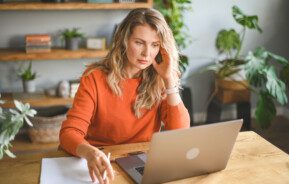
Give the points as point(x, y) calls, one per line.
point(140, 170)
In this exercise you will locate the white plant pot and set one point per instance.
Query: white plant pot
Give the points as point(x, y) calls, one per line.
point(29, 86)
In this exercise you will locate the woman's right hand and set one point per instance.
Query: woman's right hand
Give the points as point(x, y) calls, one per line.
point(97, 163)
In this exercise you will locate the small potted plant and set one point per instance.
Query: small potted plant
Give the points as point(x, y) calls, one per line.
point(10, 122)
point(28, 79)
point(72, 38)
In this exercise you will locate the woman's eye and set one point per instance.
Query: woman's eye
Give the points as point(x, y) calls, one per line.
point(156, 45)
point(138, 43)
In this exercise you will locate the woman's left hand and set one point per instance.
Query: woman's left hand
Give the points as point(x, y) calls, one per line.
point(166, 69)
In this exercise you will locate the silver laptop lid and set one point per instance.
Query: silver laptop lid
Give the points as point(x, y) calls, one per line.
point(184, 153)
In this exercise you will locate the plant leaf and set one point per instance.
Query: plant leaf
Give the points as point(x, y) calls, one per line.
point(275, 86)
point(14, 112)
point(250, 22)
point(1, 153)
point(254, 68)
point(278, 58)
point(28, 121)
point(265, 110)
point(19, 105)
point(9, 153)
point(31, 112)
point(228, 40)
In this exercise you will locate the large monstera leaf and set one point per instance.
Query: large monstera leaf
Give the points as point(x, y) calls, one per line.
point(250, 22)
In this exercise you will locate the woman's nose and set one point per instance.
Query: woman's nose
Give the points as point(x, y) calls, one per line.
point(145, 51)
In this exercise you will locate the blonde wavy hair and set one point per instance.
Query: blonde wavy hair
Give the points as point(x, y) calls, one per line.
point(150, 91)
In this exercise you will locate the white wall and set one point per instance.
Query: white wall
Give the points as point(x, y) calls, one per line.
point(205, 20)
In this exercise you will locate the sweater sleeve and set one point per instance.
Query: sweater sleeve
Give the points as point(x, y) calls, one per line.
point(174, 117)
point(74, 128)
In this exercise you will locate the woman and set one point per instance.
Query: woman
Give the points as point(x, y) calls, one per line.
point(125, 97)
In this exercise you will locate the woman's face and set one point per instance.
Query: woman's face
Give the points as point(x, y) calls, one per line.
point(142, 48)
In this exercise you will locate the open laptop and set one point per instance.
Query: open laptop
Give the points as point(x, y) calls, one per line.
point(183, 153)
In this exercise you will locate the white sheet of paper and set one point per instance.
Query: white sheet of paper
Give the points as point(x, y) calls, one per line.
point(62, 170)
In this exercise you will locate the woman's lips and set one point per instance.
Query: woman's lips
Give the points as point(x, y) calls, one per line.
point(142, 61)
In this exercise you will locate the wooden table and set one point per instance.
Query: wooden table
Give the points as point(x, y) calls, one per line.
point(253, 160)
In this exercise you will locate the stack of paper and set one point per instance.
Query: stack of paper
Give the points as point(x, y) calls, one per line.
point(64, 170)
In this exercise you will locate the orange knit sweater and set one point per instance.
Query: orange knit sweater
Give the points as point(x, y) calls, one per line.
point(99, 117)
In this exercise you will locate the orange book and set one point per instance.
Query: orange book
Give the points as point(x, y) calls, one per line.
point(38, 38)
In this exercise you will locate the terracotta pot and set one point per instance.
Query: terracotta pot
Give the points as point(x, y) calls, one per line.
point(232, 85)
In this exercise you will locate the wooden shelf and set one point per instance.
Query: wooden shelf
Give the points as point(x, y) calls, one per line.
point(20, 55)
point(42, 101)
point(73, 6)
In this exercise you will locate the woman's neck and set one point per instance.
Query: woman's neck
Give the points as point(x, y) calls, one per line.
point(132, 73)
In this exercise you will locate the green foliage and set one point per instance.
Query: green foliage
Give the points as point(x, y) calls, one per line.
point(10, 122)
point(27, 74)
point(72, 33)
point(250, 22)
point(262, 75)
point(230, 41)
point(265, 110)
point(284, 75)
point(173, 11)
point(230, 67)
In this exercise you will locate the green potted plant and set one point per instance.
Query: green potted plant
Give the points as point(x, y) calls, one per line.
point(72, 38)
point(28, 78)
point(10, 122)
point(260, 74)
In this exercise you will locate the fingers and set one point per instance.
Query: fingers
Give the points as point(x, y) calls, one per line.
point(107, 180)
point(100, 169)
point(99, 165)
point(165, 55)
point(91, 174)
point(94, 173)
point(108, 167)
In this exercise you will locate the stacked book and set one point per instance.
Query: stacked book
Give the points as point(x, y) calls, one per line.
point(37, 43)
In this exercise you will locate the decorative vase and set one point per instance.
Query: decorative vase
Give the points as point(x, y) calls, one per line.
point(29, 86)
point(72, 43)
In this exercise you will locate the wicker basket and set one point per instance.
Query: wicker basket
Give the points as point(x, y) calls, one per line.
point(47, 124)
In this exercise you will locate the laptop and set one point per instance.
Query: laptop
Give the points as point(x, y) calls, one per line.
point(183, 153)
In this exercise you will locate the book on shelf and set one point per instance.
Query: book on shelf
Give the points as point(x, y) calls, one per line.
point(31, 51)
point(38, 47)
point(38, 38)
point(36, 43)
